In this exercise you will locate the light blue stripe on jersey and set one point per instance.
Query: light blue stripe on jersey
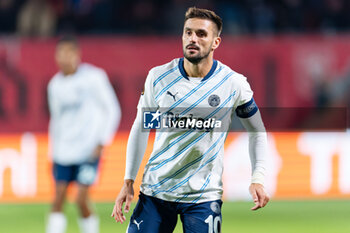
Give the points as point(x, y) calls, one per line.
point(203, 187)
point(207, 94)
point(168, 86)
point(183, 197)
point(189, 164)
point(189, 177)
point(164, 75)
point(179, 152)
point(170, 145)
point(194, 90)
point(228, 111)
point(184, 181)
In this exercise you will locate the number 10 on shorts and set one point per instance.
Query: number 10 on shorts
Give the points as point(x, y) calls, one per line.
point(214, 224)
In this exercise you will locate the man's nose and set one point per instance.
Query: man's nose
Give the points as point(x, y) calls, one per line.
point(193, 38)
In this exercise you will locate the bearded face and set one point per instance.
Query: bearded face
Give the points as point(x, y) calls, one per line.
point(198, 39)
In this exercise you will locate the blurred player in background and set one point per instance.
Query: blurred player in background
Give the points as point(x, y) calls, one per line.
point(184, 173)
point(85, 114)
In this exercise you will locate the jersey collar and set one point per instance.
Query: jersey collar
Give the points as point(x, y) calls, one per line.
point(183, 73)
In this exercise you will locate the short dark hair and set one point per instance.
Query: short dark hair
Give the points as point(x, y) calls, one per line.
point(199, 13)
point(68, 39)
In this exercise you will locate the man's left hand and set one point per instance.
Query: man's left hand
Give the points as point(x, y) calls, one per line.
point(260, 197)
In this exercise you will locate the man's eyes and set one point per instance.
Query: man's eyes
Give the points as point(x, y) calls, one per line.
point(199, 34)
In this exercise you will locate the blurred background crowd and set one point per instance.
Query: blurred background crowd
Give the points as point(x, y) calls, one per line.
point(52, 17)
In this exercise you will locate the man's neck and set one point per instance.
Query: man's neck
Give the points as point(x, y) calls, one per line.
point(69, 72)
point(198, 70)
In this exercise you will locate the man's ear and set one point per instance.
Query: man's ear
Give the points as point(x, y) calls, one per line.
point(216, 43)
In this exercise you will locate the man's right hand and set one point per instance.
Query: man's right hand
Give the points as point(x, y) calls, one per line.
point(126, 195)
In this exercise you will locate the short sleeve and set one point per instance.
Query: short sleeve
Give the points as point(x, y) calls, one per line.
point(245, 104)
point(245, 92)
point(147, 99)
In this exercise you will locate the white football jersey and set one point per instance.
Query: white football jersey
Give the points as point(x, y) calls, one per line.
point(187, 165)
point(84, 112)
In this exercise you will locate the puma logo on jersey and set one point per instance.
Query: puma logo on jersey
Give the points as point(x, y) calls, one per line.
point(138, 224)
point(172, 95)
